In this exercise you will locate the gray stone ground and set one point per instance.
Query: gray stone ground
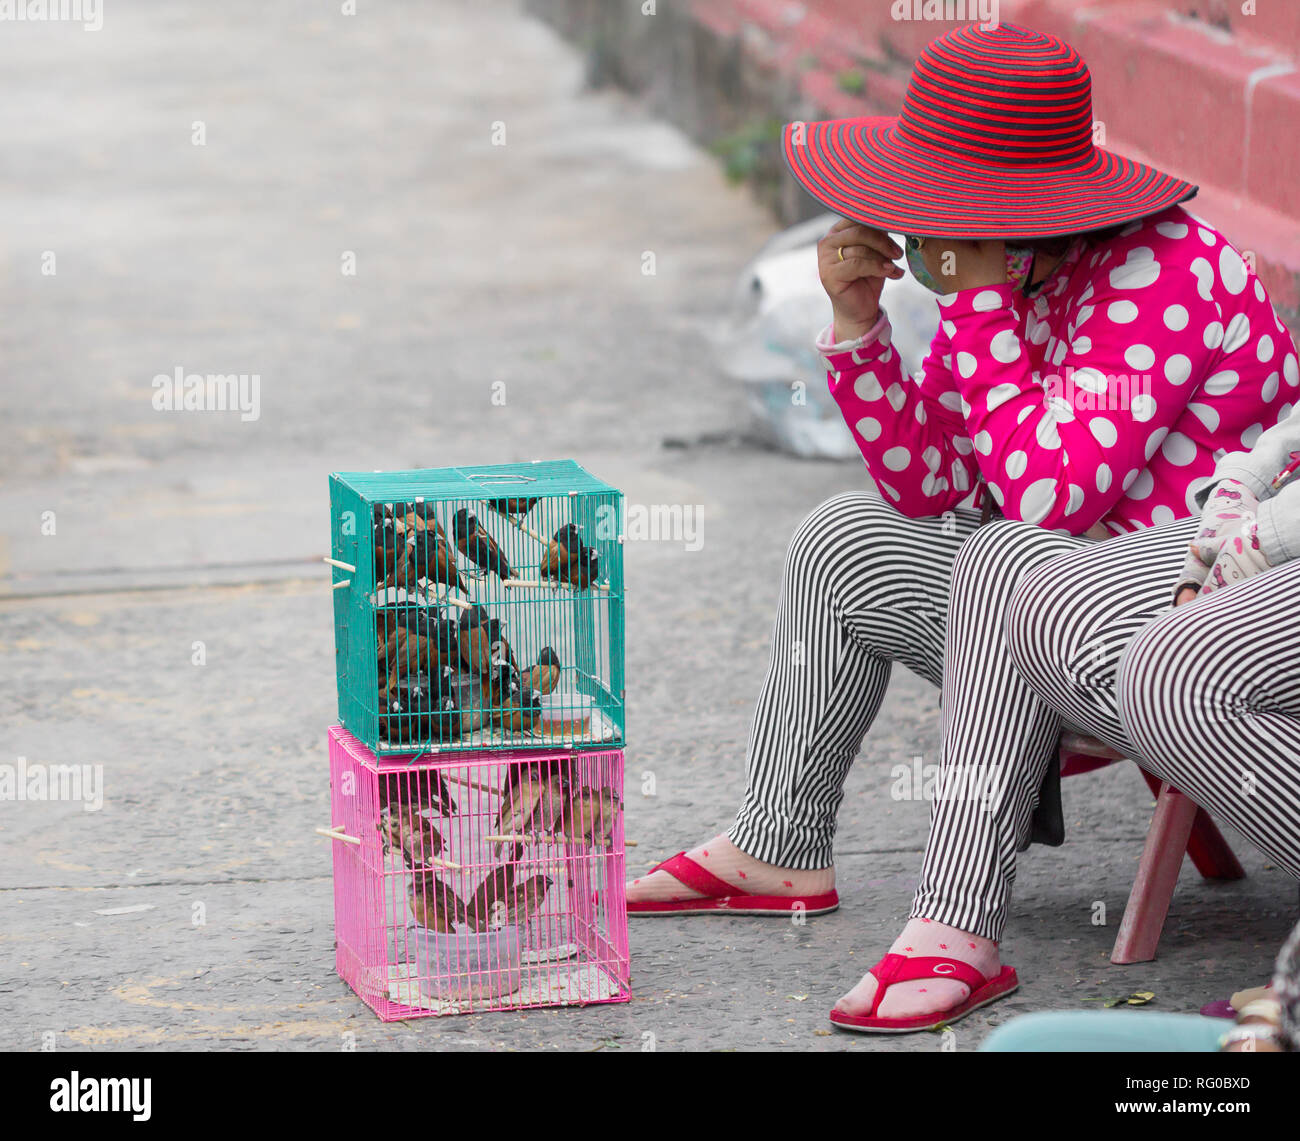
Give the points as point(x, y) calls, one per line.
point(476, 264)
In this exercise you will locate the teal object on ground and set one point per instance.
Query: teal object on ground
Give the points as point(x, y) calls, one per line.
point(485, 609)
point(1107, 1032)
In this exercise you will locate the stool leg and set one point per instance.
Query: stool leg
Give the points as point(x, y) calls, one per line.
point(1210, 852)
point(1157, 875)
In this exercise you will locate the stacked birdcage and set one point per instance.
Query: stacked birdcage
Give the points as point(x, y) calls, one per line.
point(478, 608)
point(467, 882)
point(477, 776)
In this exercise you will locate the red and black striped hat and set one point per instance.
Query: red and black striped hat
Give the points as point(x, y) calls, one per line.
point(995, 141)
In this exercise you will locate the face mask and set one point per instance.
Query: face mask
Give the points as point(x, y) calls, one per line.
point(912, 248)
point(1019, 262)
point(1020, 267)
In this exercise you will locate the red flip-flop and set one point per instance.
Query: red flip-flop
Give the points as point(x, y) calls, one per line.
point(718, 896)
point(902, 969)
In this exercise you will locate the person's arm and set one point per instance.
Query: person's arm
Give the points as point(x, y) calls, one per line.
point(1250, 515)
point(1270, 471)
point(1272, 462)
point(910, 431)
point(911, 435)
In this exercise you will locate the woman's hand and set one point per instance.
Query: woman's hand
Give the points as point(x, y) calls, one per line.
point(1226, 548)
point(854, 283)
point(957, 265)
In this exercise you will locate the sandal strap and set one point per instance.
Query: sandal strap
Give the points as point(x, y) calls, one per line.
point(905, 969)
point(681, 867)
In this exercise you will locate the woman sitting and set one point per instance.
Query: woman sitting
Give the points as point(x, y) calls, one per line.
point(1098, 346)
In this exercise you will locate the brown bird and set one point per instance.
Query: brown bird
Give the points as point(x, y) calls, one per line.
point(515, 507)
point(412, 554)
point(419, 788)
point(436, 561)
point(545, 675)
point(484, 649)
point(567, 560)
point(416, 517)
point(409, 653)
point(407, 830)
point(474, 635)
point(590, 815)
point(519, 801)
point(518, 711)
point(528, 897)
point(532, 802)
point(490, 903)
point(551, 806)
point(434, 904)
point(477, 545)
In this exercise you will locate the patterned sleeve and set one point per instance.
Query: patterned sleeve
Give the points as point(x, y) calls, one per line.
point(910, 430)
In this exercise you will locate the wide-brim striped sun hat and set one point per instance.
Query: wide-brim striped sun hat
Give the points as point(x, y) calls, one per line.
point(995, 140)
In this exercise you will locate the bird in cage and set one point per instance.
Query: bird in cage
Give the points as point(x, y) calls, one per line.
point(476, 631)
point(421, 789)
point(420, 709)
point(517, 709)
point(477, 545)
point(489, 905)
point(419, 516)
point(407, 652)
point(527, 897)
point(407, 830)
point(545, 675)
point(409, 545)
point(590, 815)
point(432, 558)
point(567, 559)
point(434, 904)
point(532, 801)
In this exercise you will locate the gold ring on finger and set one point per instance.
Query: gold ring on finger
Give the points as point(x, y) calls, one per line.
point(840, 251)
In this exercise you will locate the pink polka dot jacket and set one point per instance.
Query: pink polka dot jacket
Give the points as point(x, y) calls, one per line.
point(1104, 399)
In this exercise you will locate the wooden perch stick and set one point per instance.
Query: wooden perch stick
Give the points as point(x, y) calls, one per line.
point(341, 584)
point(537, 584)
point(342, 566)
point(538, 838)
point(527, 530)
point(337, 833)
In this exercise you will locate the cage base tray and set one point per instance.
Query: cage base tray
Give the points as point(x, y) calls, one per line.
point(580, 984)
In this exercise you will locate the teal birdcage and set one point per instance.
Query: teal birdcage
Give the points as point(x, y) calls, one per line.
point(478, 608)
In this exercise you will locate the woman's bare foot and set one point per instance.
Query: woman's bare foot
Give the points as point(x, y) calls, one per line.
point(923, 938)
point(721, 857)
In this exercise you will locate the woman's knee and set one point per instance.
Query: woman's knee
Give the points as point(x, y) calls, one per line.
point(863, 517)
point(1151, 686)
point(1041, 630)
point(1002, 564)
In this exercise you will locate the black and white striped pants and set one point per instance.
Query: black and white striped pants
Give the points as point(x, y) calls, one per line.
point(1026, 630)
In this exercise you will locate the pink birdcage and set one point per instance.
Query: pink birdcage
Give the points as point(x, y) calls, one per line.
point(478, 881)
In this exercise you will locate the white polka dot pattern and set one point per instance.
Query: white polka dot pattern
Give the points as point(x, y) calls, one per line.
point(1104, 398)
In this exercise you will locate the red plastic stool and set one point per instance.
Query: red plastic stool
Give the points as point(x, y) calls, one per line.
point(1178, 827)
